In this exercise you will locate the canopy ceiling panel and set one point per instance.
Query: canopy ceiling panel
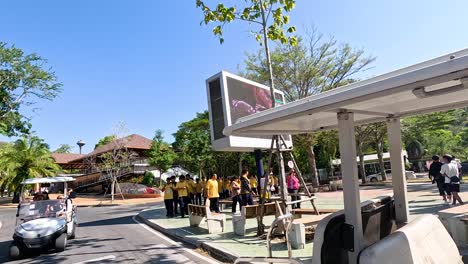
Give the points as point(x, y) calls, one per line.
point(435, 85)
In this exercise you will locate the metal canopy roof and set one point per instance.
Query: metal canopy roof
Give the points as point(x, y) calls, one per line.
point(435, 85)
point(48, 180)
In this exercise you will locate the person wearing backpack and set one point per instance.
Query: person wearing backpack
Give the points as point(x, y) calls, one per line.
point(450, 171)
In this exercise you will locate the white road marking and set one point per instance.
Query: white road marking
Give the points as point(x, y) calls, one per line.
point(208, 260)
point(110, 257)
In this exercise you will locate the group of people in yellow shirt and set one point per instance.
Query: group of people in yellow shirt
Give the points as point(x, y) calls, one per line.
point(180, 194)
point(240, 189)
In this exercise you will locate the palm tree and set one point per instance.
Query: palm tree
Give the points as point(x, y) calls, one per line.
point(28, 157)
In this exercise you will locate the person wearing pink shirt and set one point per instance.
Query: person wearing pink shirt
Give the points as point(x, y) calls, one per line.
point(292, 183)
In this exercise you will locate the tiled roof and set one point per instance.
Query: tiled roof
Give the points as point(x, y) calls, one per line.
point(133, 141)
point(64, 158)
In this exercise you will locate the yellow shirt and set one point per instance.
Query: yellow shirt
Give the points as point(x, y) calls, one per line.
point(212, 188)
point(168, 194)
point(182, 192)
point(220, 185)
point(276, 182)
point(191, 186)
point(227, 185)
point(198, 187)
point(253, 182)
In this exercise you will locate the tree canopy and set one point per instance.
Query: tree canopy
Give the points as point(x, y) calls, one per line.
point(64, 148)
point(27, 157)
point(161, 154)
point(24, 79)
point(105, 140)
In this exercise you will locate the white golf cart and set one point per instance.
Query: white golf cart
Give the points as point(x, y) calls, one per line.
point(41, 222)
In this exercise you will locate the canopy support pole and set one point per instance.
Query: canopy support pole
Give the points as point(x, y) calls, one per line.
point(398, 170)
point(352, 202)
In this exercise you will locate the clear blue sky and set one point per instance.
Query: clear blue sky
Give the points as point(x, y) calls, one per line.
point(145, 62)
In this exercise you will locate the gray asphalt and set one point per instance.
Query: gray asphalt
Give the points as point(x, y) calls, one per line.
point(106, 235)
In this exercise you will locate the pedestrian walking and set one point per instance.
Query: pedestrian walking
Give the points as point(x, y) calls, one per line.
point(450, 171)
point(292, 183)
point(168, 199)
point(182, 189)
point(246, 190)
point(436, 176)
point(213, 193)
point(198, 191)
point(235, 193)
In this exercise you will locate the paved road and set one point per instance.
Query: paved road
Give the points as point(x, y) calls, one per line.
point(107, 235)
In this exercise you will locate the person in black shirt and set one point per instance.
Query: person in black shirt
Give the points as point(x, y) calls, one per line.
point(436, 176)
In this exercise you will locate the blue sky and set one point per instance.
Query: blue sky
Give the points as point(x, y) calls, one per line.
point(145, 62)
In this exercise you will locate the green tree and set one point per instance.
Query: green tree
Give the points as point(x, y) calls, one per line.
point(64, 148)
point(148, 178)
point(193, 147)
point(161, 154)
point(377, 136)
point(28, 157)
point(105, 140)
point(313, 66)
point(269, 15)
point(192, 143)
point(24, 79)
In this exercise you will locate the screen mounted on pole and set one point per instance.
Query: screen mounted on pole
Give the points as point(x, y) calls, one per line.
point(231, 97)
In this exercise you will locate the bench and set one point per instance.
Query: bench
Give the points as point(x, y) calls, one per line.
point(310, 220)
point(224, 203)
point(298, 213)
point(200, 213)
point(248, 212)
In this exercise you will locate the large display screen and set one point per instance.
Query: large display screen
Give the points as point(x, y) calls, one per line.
point(246, 99)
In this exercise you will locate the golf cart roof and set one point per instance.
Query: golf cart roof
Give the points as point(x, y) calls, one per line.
point(434, 85)
point(48, 180)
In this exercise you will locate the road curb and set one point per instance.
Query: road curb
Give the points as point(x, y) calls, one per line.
point(218, 254)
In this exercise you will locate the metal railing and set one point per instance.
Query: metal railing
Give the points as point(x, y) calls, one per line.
point(105, 175)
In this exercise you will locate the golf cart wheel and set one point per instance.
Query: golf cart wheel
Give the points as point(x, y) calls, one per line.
point(15, 252)
point(373, 179)
point(61, 242)
point(72, 235)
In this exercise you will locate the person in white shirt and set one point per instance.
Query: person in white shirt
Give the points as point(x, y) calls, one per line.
point(450, 171)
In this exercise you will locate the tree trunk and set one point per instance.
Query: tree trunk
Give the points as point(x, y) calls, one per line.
point(381, 161)
point(362, 169)
point(112, 189)
point(267, 54)
point(312, 165)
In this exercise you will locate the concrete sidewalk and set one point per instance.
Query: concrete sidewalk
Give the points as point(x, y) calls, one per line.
point(225, 247)
point(423, 199)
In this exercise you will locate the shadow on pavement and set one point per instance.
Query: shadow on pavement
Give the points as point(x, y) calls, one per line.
point(124, 220)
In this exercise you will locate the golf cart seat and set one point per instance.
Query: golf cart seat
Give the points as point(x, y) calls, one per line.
point(424, 240)
point(333, 239)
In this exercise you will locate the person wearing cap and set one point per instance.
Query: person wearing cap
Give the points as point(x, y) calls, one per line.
point(450, 171)
point(436, 176)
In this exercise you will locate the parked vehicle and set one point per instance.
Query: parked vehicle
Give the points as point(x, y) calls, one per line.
point(378, 177)
point(43, 223)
